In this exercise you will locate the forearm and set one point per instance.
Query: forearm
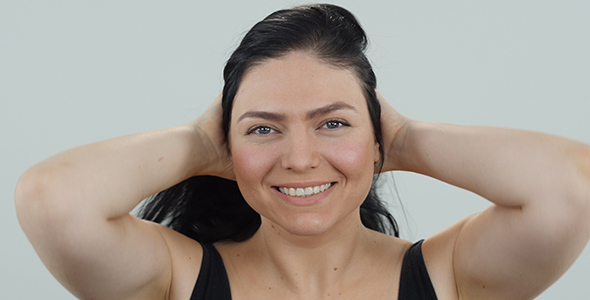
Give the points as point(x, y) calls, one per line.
point(110, 178)
point(509, 167)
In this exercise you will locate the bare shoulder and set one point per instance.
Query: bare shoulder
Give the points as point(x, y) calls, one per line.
point(185, 255)
point(438, 252)
point(392, 247)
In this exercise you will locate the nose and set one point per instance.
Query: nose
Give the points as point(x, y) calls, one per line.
point(300, 152)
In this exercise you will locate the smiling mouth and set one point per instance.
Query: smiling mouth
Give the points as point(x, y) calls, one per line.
point(305, 192)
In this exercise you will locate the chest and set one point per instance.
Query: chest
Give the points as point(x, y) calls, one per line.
point(373, 282)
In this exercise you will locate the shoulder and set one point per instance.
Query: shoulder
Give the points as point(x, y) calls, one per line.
point(438, 252)
point(186, 255)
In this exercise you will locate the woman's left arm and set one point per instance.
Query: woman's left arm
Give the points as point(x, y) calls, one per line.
point(540, 187)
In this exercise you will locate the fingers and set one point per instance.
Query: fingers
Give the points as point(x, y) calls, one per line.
point(394, 127)
point(210, 128)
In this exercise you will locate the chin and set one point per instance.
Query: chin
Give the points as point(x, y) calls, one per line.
point(306, 228)
point(308, 225)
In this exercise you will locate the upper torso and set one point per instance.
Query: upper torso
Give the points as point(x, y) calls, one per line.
point(379, 281)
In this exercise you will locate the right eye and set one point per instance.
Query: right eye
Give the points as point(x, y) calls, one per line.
point(261, 130)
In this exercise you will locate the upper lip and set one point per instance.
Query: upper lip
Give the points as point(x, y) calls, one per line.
point(302, 184)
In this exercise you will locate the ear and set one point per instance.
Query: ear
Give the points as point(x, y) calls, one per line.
point(376, 154)
point(376, 158)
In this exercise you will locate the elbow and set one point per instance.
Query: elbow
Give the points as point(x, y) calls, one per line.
point(30, 189)
point(35, 200)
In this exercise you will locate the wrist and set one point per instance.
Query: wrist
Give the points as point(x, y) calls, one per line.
point(398, 155)
point(209, 154)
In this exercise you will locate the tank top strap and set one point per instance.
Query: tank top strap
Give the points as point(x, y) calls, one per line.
point(415, 282)
point(212, 282)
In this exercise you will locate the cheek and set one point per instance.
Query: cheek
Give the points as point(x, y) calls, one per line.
point(252, 163)
point(251, 166)
point(353, 157)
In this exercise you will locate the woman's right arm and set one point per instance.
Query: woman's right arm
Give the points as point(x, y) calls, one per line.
point(74, 208)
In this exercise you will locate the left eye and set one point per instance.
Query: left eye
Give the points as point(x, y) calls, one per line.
point(334, 124)
point(260, 130)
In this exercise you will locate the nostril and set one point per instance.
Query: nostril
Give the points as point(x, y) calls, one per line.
point(301, 159)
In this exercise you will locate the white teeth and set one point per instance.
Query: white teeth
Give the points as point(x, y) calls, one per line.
point(305, 192)
point(300, 192)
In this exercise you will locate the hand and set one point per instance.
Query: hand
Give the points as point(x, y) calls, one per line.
point(395, 128)
point(210, 130)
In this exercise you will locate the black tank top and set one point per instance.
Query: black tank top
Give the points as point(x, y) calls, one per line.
point(213, 284)
point(414, 282)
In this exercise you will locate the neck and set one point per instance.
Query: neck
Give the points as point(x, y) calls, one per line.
point(319, 263)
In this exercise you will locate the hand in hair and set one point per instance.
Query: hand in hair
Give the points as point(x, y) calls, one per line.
point(208, 127)
point(394, 126)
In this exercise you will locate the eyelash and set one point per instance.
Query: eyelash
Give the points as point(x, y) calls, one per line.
point(340, 122)
point(253, 130)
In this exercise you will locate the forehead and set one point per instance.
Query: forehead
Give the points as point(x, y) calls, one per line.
point(297, 81)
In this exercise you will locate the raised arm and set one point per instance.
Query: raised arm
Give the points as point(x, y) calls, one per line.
point(539, 185)
point(74, 208)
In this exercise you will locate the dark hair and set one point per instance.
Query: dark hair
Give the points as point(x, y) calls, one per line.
point(210, 209)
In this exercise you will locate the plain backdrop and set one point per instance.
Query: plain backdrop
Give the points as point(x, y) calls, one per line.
point(75, 72)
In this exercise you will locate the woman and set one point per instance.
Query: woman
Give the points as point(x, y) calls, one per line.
point(298, 129)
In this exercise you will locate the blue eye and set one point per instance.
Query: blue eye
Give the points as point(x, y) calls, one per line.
point(262, 130)
point(334, 124)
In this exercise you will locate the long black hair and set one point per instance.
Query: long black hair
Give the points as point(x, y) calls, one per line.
point(210, 209)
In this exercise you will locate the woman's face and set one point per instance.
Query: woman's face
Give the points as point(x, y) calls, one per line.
point(302, 143)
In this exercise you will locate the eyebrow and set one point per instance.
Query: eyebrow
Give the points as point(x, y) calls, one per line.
point(321, 111)
point(262, 115)
point(328, 109)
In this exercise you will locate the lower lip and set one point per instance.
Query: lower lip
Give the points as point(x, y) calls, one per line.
point(305, 201)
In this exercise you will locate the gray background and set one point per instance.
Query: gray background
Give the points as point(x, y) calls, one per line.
point(74, 72)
